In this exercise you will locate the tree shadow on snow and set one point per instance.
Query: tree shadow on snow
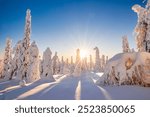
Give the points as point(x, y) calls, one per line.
point(64, 90)
point(90, 91)
point(15, 93)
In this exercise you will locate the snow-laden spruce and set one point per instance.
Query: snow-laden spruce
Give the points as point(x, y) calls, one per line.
point(55, 64)
point(33, 70)
point(125, 44)
point(6, 72)
point(15, 62)
point(84, 65)
point(1, 68)
point(71, 66)
point(77, 69)
point(46, 65)
point(97, 67)
point(142, 29)
point(127, 68)
point(91, 63)
point(25, 46)
point(106, 59)
point(103, 63)
point(62, 63)
point(66, 69)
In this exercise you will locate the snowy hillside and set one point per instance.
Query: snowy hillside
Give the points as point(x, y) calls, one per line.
point(127, 68)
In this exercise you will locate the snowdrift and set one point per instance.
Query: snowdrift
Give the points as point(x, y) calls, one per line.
point(127, 68)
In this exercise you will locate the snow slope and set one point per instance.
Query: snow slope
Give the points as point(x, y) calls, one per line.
point(71, 88)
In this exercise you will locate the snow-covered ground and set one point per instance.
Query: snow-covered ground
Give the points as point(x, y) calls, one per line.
point(70, 88)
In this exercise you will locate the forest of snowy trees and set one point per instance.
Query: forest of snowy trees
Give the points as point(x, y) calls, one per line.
point(24, 63)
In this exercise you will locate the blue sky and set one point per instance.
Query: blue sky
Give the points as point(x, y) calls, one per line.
point(64, 25)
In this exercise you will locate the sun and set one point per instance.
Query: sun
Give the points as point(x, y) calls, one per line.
point(83, 53)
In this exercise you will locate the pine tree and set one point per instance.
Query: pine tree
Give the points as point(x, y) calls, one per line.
point(24, 55)
point(47, 65)
point(91, 64)
point(71, 60)
point(148, 4)
point(103, 62)
point(62, 65)
point(1, 68)
point(66, 69)
point(84, 66)
point(106, 59)
point(55, 64)
point(58, 66)
point(71, 66)
point(33, 70)
point(77, 70)
point(67, 61)
point(113, 77)
point(125, 44)
point(15, 63)
point(7, 60)
point(97, 66)
point(142, 29)
point(78, 56)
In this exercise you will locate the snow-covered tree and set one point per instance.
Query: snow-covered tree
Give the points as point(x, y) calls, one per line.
point(91, 64)
point(86, 63)
point(7, 60)
point(15, 62)
point(71, 60)
point(62, 65)
point(103, 62)
point(24, 54)
point(97, 66)
point(141, 26)
point(84, 66)
point(33, 70)
point(77, 70)
point(46, 65)
point(142, 29)
point(71, 66)
point(78, 58)
point(106, 59)
point(113, 78)
point(1, 68)
point(41, 66)
point(148, 4)
point(66, 69)
point(67, 61)
point(55, 64)
point(125, 44)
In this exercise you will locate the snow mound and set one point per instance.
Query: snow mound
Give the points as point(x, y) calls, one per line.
point(127, 68)
point(22, 83)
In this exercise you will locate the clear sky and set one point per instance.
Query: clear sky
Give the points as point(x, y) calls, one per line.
point(65, 25)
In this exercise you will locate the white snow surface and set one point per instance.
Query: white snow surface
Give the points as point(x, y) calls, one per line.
point(68, 87)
